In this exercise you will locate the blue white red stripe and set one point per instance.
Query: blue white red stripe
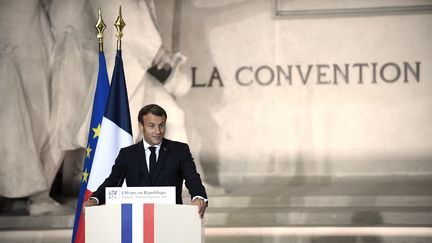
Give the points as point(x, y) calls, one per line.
point(137, 223)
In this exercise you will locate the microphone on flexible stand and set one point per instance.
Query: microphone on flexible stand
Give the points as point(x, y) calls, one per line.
point(165, 174)
point(164, 169)
point(122, 177)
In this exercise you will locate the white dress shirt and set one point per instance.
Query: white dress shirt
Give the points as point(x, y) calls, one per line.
point(148, 152)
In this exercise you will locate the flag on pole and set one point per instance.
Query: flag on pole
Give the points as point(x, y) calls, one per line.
point(100, 98)
point(115, 131)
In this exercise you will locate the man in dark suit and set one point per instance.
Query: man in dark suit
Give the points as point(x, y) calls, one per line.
point(155, 161)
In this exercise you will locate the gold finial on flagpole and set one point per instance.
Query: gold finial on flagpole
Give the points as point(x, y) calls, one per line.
point(119, 24)
point(100, 27)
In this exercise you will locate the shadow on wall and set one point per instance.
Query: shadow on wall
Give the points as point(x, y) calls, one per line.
point(199, 117)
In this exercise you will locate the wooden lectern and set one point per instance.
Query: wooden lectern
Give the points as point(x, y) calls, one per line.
point(143, 223)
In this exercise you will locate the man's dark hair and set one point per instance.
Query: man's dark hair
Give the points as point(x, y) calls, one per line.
point(153, 109)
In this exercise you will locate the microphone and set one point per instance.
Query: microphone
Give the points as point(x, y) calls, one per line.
point(164, 169)
point(122, 177)
point(165, 174)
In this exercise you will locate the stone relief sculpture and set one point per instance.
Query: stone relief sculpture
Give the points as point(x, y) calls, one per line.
point(48, 67)
point(26, 44)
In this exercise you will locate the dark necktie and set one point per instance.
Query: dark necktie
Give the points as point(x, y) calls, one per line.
point(152, 161)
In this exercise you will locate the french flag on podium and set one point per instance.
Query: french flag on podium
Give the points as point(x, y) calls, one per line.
point(144, 223)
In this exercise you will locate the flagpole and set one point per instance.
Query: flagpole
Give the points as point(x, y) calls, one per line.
point(119, 25)
point(100, 27)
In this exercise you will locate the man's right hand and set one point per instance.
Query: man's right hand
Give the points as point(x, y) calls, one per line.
point(89, 203)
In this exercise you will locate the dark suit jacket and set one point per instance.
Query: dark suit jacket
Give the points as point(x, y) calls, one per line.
point(174, 164)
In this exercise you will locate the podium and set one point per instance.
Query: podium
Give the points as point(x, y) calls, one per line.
point(143, 223)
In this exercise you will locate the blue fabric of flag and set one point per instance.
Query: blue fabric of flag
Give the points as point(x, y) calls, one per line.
point(117, 109)
point(99, 102)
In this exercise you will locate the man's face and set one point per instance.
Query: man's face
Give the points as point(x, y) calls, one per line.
point(153, 128)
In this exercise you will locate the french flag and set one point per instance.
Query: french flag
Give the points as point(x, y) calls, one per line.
point(116, 129)
point(115, 133)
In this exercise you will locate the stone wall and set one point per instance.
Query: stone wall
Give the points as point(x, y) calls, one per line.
point(281, 96)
